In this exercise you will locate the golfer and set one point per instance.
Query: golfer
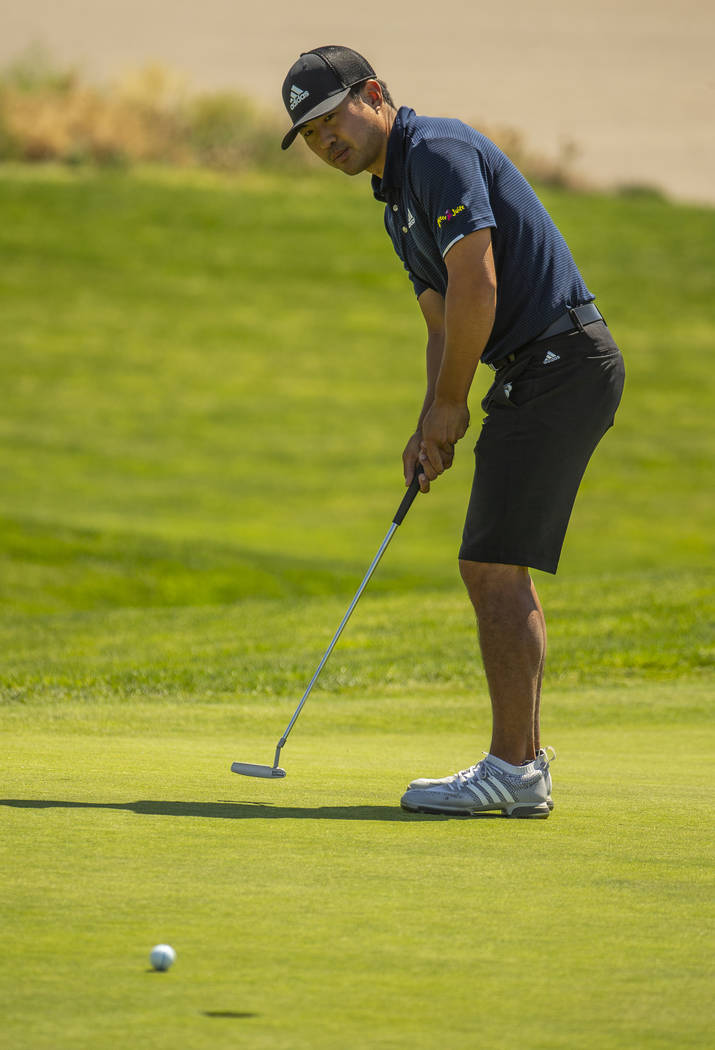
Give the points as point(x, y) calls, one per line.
point(496, 283)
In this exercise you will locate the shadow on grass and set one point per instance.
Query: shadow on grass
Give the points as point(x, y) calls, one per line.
point(229, 1014)
point(236, 810)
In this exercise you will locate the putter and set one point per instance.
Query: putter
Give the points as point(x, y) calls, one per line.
point(248, 769)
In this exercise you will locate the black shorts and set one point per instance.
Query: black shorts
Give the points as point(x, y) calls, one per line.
point(546, 412)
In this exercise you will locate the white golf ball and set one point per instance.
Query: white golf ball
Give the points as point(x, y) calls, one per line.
point(162, 956)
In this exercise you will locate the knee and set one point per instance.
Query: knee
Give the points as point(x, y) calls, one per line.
point(486, 581)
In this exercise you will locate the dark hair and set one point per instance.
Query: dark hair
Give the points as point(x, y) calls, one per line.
point(356, 90)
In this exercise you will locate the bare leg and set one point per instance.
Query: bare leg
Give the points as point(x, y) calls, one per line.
point(512, 636)
point(537, 704)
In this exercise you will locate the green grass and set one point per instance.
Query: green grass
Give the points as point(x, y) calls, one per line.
point(325, 916)
point(207, 384)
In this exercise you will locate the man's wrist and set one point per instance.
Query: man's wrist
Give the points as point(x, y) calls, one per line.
point(447, 397)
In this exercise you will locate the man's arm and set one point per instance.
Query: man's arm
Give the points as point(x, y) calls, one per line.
point(432, 307)
point(469, 310)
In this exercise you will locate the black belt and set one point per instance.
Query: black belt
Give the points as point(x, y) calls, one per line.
point(574, 320)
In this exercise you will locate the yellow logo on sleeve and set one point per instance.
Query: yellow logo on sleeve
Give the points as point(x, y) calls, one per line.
point(449, 215)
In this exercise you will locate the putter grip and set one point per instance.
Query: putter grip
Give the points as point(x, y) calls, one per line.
point(408, 498)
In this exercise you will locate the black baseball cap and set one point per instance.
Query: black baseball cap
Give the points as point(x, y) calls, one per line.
point(319, 81)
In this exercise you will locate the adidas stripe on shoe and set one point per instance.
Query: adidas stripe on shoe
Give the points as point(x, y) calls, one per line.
point(489, 785)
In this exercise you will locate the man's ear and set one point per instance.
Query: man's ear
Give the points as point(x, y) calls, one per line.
point(372, 94)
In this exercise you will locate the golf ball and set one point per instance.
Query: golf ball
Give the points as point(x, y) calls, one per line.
point(162, 956)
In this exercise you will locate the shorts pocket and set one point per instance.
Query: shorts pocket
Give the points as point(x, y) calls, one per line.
point(501, 393)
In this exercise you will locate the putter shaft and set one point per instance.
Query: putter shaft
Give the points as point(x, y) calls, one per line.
point(373, 565)
point(405, 505)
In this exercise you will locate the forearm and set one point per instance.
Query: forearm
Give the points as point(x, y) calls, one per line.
point(458, 327)
point(435, 350)
point(470, 306)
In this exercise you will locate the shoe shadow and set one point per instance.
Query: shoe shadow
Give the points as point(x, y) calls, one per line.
point(233, 810)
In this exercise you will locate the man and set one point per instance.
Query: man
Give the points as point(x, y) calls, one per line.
point(496, 283)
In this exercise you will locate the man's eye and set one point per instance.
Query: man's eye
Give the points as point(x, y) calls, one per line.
point(307, 133)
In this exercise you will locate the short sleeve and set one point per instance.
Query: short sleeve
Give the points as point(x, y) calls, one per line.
point(418, 285)
point(449, 179)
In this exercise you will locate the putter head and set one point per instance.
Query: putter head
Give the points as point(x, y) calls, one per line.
point(247, 769)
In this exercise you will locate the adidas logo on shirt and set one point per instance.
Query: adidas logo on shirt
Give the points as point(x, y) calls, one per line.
point(297, 95)
point(550, 358)
point(410, 219)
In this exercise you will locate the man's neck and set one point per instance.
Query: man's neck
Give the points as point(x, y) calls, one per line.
point(378, 165)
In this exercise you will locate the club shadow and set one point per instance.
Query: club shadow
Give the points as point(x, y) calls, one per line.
point(234, 810)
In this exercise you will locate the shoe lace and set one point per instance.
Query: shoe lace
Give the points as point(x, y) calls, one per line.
point(475, 772)
point(548, 756)
point(479, 770)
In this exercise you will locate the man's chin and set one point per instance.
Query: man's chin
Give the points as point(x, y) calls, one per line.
point(352, 168)
point(349, 163)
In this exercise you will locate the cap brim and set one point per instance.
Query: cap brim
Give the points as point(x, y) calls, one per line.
point(332, 102)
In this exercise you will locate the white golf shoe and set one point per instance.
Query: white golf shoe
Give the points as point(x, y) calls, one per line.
point(489, 785)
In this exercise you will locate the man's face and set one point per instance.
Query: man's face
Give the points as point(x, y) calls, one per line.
point(352, 137)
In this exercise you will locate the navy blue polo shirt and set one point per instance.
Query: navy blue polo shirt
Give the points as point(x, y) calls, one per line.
point(444, 180)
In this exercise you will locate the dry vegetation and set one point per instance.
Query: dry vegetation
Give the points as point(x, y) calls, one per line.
point(150, 116)
point(51, 114)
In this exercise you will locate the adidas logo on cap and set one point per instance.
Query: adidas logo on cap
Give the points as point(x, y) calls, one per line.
point(297, 95)
point(550, 358)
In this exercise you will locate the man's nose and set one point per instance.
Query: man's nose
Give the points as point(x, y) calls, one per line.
point(327, 136)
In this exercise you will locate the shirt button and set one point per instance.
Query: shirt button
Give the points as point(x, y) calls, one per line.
point(404, 229)
point(394, 207)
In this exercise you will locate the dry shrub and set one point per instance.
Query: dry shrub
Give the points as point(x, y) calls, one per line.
point(82, 125)
point(149, 115)
point(558, 171)
point(228, 132)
